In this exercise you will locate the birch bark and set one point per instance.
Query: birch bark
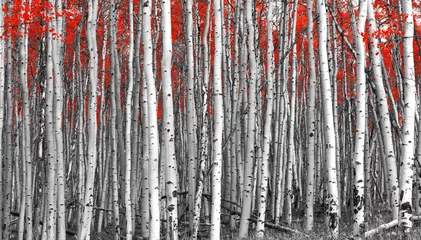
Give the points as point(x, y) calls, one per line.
point(27, 156)
point(358, 161)
point(218, 124)
point(408, 136)
point(291, 127)
point(171, 187)
point(329, 131)
point(154, 206)
point(386, 129)
point(2, 108)
point(191, 113)
point(311, 122)
point(51, 144)
point(251, 127)
point(267, 138)
point(57, 24)
point(92, 122)
point(128, 135)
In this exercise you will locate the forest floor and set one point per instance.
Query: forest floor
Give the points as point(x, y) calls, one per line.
point(377, 216)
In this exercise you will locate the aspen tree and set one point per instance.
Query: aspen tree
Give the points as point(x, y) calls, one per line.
point(311, 122)
point(57, 24)
point(235, 119)
point(113, 123)
point(267, 138)
point(128, 136)
point(386, 129)
point(81, 127)
point(358, 161)
point(191, 112)
point(51, 143)
point(27, 156)
point(204, 134)
point(280, 129)
point(145, 164)
point(137, 128)
point(329, 131)
point(9, 142)
point(154, 223)
point(218, 124)
point(169, 136)
point(242, 104)
point(92, 122)
point(407, 144)
point(106, 159)
point(251, 127)
point(334, 72)
point(291, 127)
point(2, 108)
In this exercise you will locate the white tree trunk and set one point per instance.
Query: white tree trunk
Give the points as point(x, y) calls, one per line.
point(2, 107)
point(169, 137)
point(154, 200)
point(407, 144)
point(145, 164)
point(216, 166)
point(386, 129)
point(251, 127)
point(51, 146)
point(311, 123)
point(27, 156)
point(204, 134)
point(291, 126)
point(58, 112)
point(191, 113)
point(358, 161)
point(92, 123)
point(329, 131)
point(128, 135)
point(267, 138)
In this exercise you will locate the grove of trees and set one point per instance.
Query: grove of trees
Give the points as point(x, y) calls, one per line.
point(209, 119)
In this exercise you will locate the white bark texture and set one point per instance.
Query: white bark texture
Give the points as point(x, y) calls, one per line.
point(51, 148)
point(57, 24)
point(169, 137)
point(251, 127)
point(216, 166)
point(267, 137)
point(311, 123)
point(145, 164)
point(386, 129)
point(291, 126)
point(191, 114)
point(154, 200)
point(358, 161)
point(407, 144)
point(92, 122)
point(2, 108)
point(329, 131)
point(128, 135)
point(27, 156)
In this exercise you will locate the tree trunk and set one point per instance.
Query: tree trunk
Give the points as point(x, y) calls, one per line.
point(358, 161)
point(171, 183)
point(26, 141)
point(216, 166)
point(311, 122)
point(329, 131)
point(92, 122)
point(386, 129)
point(251, 127)
point(407, 144)
point(154, 206)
